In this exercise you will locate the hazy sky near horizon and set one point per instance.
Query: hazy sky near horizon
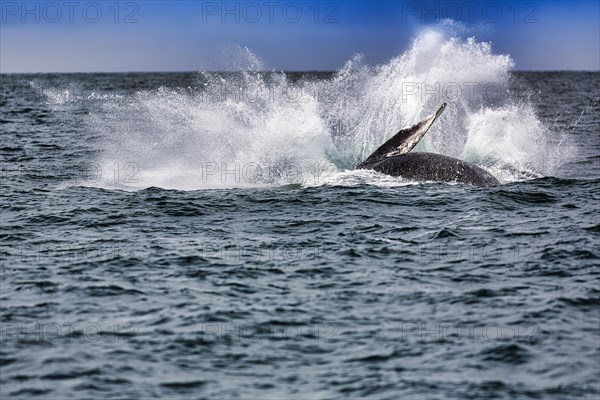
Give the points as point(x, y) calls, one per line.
point(116, 36)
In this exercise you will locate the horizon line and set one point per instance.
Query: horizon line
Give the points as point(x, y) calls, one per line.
point(242, 70)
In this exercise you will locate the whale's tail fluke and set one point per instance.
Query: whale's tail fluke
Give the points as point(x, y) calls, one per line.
point(403, 141)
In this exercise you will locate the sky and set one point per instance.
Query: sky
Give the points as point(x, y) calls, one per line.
point(121, 36)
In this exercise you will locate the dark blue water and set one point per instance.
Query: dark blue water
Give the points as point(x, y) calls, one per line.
point(123, 281)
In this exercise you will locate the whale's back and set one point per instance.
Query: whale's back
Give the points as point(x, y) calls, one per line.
point(433, 167)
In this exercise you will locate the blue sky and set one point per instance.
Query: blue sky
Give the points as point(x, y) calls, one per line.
point(90, 36)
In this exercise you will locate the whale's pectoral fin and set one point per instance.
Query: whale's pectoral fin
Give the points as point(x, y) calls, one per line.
point(403, 141)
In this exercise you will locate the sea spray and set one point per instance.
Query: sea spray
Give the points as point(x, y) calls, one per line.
point(252, 128)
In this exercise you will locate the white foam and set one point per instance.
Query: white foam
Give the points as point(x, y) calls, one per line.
point(248, 129)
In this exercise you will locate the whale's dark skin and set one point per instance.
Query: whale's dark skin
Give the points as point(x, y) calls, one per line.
point(433, 167)
point(393, 158)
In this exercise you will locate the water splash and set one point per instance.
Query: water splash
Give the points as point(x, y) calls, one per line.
point(250, 128)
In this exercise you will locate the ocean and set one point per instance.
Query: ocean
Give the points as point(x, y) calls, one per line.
point(206, 235)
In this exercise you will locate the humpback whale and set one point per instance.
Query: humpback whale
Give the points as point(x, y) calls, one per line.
point(393, 158)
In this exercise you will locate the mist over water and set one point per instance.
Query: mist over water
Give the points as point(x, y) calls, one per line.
point(249, 128)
